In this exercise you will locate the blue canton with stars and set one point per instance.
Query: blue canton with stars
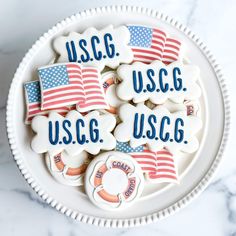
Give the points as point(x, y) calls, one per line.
point(140, 36)
point(33, 91)
point(125, 147)
point(53, 76)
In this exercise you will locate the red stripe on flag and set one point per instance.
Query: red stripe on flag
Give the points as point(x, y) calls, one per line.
point(161, 176)
point(45, 93)
point(64, 95)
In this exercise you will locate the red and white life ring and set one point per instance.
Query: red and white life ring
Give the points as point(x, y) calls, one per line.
point(113, 180)
point(109, 85)
point(68, 170)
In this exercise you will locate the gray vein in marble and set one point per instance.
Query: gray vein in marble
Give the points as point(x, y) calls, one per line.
point(190, 17)
point(29, 196)
point(225, 187)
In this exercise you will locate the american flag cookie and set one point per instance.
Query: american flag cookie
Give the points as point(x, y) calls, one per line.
point(157, 167)
point(33, 102)
point(66, 84)
point(113, 181)
point(66, 169)
point(152, 43)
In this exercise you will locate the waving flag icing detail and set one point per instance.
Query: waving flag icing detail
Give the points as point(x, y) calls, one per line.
point(149, 44)
point(69, 84)
point(33, 102)
point(158, 167)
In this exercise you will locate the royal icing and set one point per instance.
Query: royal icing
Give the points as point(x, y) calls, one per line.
point(69, 84)
point(193, 107)
point(152, 43)
point(158, 167)
point(113, 181)
point(109, 82)
point(158, 128)
point(99, 48)
point(33, 102)
point(124, 94)
point(68, 170)
point(158, 82)
point(74, 133)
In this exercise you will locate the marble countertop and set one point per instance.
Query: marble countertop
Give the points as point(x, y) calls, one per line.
point(22, 212)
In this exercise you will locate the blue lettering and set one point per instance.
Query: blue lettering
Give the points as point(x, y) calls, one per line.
point(179, 133)
point(53, 140)
point(65, 124)
point(177, 81)
point(164, 87)
point(165, 137)
point(138, 132)
point(150, 74)
point(80, 139)
point(97, 54)
point(83, 44)
point(94, 133)
point(110, 47)
point(72, 56)
point(152, 134)
point(138, 83)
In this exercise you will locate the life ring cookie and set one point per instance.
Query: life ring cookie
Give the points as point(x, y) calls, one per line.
point(113, 180)
point(68, 170)
point(109, 85)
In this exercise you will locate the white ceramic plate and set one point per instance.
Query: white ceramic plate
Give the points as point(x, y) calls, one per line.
point(157, 201)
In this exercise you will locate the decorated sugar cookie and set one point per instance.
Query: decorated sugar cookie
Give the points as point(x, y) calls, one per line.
point(158, 82)
point(99, 48)
point(69, 84)
point(74, 133)
point(166, 168)
point(174, 107)
point(158, 128)
point(190, 107)
point(152, 43)
point(33, 102)
point(113, 181)
point(109, 85)
point(193, 107)
point(68, 170)
point(158, 167)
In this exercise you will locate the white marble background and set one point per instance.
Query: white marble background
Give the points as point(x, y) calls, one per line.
point(23, 213)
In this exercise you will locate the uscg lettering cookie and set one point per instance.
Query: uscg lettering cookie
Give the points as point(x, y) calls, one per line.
point(113, 181)
point(158, 82)
point(99, 48)
point(158, 128)
point(74, 133)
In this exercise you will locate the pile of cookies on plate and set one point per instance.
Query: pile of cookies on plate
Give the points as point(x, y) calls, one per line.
point(113, 111)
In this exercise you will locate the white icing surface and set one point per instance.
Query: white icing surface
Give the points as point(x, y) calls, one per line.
point(22, 207)
point(158, 82)
point(97, 133)
point(129, 130)
point(114, 177)
point(119, 39)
